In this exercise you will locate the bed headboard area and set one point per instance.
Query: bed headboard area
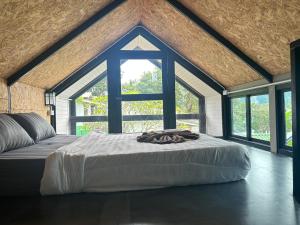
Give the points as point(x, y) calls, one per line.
point(24, 98)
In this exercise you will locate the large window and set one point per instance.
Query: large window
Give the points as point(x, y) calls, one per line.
point(238, 113)
point(250, 118)
point(260, 124)
point(137, 91)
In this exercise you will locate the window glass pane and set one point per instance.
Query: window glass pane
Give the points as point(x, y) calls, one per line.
point(188, 124)
point(288, 118)
point(153, 107)
point(132, 112)
point(142, 126)
point(186, 103)
point(140, 43)
point(260, 125)
point(238, 112)
point(141, 76)
point(84, 128)
point(94, 101)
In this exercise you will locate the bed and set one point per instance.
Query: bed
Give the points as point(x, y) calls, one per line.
point(117, 162)
point(21, 169)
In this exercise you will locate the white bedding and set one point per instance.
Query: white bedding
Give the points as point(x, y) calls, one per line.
point(104, 163)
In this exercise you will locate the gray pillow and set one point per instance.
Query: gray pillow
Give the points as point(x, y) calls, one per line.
point(12, 135)
point(37, 127)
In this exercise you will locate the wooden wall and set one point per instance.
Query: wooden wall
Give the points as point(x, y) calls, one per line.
point(3, 97)
point(24, 98)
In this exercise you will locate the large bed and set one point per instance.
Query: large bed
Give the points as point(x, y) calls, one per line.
point(105, 163)
point(33, 159)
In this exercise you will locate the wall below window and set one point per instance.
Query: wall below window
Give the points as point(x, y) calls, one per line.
point(24, 98)
point(62, 116)
point(213, 106)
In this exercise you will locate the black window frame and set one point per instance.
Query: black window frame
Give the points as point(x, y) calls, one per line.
point(201, 103)
point(115, 97)
point(265, 145)
point(280, 104)
point(151, 56)
point(231, 116)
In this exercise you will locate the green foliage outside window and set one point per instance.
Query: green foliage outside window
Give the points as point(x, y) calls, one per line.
point(260, 124)
point(259, 107)
point(94, 103)
point(186, 103)
point(288, 118)
point(239, 116)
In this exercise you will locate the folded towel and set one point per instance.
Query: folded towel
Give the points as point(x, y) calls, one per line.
point(167, 136)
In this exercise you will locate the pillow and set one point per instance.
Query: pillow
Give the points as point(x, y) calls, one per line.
point(12, 135)
point(37, 127)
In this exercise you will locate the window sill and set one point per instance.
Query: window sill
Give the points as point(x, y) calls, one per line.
point(259, 145)
point(285, 151)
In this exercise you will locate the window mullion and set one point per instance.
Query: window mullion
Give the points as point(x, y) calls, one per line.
point(168, 73)
point(114, 94)
point(248, 117)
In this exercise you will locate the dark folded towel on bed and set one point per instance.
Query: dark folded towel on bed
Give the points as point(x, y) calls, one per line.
point(167, 137)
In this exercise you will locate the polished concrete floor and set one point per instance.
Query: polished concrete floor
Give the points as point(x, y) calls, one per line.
point(264, 198)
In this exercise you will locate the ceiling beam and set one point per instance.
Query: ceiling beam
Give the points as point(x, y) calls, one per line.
point(221, 39)
point(63, 41)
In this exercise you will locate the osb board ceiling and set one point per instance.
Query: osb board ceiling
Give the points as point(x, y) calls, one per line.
point(192, 42)
point(25, 98)
point(88, 44)
point(28, 27)
point(262, 29)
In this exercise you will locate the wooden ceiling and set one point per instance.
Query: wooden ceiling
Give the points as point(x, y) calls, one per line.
point(192, 42)
point(262, 29)
point(79, 51)
point(28, 27)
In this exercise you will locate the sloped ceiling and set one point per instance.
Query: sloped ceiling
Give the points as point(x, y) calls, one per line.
point(28, 27)
point(263, 31)
point(192, 42)
point(79, 51)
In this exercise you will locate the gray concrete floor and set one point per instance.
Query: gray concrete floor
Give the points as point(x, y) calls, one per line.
point(264, 198)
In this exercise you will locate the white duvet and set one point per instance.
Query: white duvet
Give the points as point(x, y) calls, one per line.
point(105, 163)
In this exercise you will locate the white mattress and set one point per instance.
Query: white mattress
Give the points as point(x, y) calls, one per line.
point(105, 163)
